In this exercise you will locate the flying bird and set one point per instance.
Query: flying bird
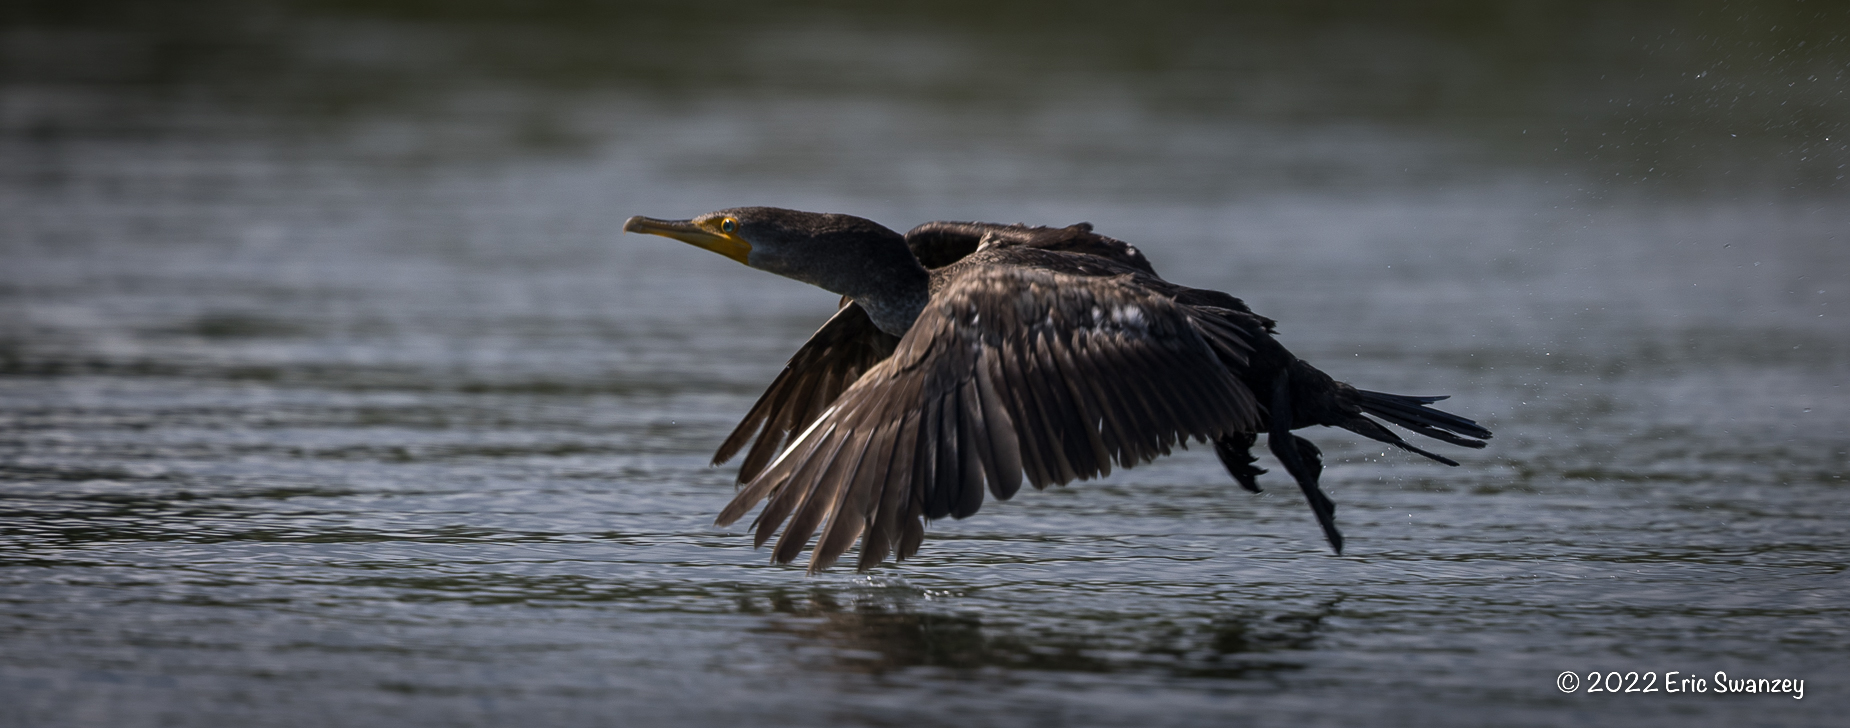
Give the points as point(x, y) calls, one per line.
point(968, 356)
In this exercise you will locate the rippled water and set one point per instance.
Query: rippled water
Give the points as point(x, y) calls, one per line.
point(334, 429)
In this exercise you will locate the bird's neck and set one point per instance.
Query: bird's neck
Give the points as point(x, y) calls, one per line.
point(893, 298)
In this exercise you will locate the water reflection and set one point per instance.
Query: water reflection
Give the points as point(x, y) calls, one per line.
point(880, 635)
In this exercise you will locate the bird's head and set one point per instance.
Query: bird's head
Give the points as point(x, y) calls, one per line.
point(840, 253)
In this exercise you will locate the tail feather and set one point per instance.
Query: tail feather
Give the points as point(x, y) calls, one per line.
point(1412, 413)
point(1409, 411)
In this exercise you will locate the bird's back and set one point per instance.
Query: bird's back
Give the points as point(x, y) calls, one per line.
point(938, 244)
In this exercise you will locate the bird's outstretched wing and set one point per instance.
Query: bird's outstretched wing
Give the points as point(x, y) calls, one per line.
point(832, 359)
point(1009, 372)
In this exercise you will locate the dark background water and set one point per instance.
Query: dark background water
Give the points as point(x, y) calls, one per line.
point(330, 394)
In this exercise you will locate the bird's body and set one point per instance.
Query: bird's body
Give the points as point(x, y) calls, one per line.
point(968, 356)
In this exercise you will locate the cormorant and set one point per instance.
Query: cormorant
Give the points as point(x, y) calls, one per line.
point(966, 355)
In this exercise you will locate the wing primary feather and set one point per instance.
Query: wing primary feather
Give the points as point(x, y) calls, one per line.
point(861, 502)
point(911, 530)
point(1193, 400)
point(832, 503)
point(980, 445)
point(1004, 447)
point(798, 476)
point(809, 477)
point(972, 443)
point(1046, 440)
point(1164, 391)
point(1028, 427)
point(1053, 412)
point(1163, 413)
point(895, 489)
point(1074, 424)
point(843, 529)
point(941, 497)
point(768, 483)
point(1207, 387)
point(1139, 422)
point(825, 496)
point(1096, 458)
point(743, 501)
point(753, 427)
point(1105, 410)
point(925, 458)
point(1150, 421)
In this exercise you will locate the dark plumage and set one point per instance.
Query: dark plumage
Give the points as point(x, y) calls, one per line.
point(968, 356)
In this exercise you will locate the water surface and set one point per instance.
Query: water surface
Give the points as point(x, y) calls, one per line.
point(369, 416)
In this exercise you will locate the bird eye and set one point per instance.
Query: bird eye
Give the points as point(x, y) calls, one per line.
point(728, 225)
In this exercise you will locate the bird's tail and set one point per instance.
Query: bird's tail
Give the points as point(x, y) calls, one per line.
point(1414, 414)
